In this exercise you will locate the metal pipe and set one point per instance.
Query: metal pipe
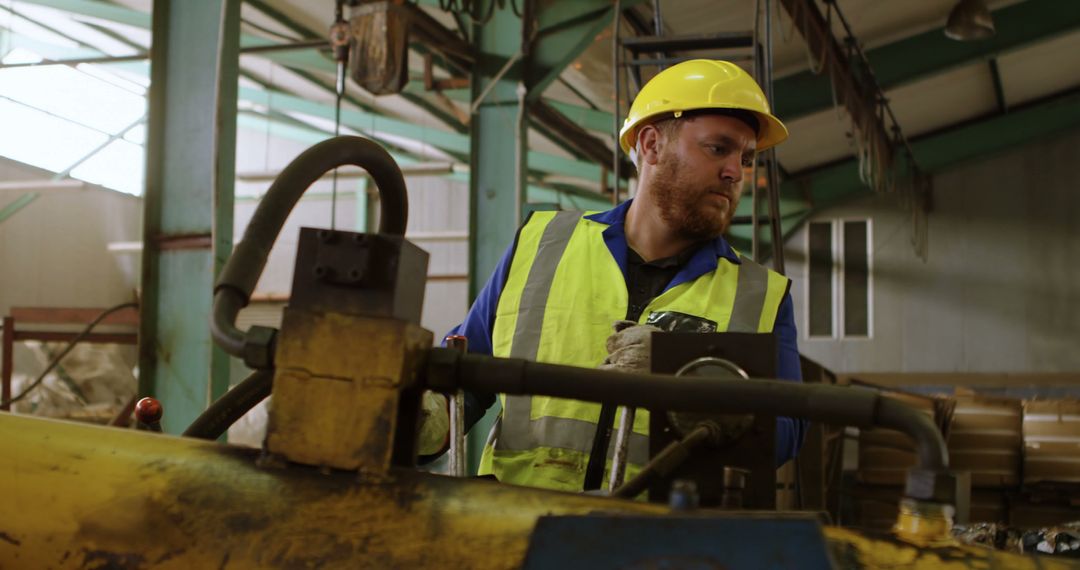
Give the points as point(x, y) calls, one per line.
point(838, 405)
point(457, 415)
point(245, 266)
point(664, 463)
point(622, 447)
point(774, 171)
point(107, 59)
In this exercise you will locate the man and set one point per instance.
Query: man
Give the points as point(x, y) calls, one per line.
point(692, 131)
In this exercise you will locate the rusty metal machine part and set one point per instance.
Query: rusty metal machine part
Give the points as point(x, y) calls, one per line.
point(728, 428)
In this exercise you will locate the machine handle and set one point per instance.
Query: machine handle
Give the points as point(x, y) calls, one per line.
point(246, 264)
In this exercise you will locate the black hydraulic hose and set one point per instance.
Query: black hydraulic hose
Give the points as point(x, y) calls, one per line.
point(839, 405)
point(664, 463)
point(227, 305)
point(213, 422)
point(245, 265)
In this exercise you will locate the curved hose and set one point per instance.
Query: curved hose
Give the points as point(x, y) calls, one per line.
point(224, 412)
point(245, 265)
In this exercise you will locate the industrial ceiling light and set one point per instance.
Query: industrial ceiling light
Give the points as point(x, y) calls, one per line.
point(970, 20)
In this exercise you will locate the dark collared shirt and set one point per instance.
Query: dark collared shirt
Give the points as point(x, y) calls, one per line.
point(645, 280)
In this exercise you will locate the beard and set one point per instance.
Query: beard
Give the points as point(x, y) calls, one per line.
point(679, 201)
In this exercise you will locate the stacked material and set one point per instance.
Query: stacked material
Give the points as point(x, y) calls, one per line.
point(985, 440)
point(1052, 441)
point(885, 455)
point(1023, 459)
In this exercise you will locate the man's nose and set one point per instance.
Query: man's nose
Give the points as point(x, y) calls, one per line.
point(732, 170)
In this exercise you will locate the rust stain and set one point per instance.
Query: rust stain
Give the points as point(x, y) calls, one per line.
point(104, 559)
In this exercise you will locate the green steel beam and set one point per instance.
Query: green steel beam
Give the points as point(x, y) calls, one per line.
point(188, 205)
point(931, 52)
point(498, 130)
point(97, 9)
point(304, 62)
point(17, 204)
point(442, 140)
point(938, 151)
point(565, 196)
point(561, 44)
point(591, 119)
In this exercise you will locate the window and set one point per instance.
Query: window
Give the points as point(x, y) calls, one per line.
point(820, 282)
point(839, 279)
point(856, 291)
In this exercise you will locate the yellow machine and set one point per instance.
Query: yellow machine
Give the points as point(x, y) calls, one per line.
point(336, 485)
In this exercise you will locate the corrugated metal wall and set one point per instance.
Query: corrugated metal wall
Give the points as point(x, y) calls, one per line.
point(1000, 291)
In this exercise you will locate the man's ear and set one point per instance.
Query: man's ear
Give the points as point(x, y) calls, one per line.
point(650, 143)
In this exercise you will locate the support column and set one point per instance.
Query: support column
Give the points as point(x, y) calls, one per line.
point(498, 144)
point(498, 150)
point(188, 215)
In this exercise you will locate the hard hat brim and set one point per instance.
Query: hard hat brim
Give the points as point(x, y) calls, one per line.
point(771, 131)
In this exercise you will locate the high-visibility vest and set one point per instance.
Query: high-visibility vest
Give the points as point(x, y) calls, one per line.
point(563, 292)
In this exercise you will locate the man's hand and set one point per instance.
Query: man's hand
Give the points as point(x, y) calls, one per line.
point(629, 347)
point(434, 423)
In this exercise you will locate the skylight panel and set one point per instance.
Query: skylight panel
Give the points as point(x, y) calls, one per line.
point(118, 166)
point(68, 93)
point(42, 140)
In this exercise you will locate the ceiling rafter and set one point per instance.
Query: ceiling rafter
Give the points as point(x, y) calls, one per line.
point(929, 53)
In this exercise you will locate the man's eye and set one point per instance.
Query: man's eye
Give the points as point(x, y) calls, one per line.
point(748, 162)
point(717, 149)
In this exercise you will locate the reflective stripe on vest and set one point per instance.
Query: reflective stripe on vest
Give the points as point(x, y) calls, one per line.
point(739, 297)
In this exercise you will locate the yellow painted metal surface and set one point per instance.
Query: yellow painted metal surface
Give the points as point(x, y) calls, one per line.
point(851, 549)
point(924, 524)
point(78, 496)
point(338, 385)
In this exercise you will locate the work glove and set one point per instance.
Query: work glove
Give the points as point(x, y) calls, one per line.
point(434, 423)
point(629, 347)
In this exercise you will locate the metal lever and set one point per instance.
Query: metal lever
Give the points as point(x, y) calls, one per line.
point(622, 447)
point(457, 414)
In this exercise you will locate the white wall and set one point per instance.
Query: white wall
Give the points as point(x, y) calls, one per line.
point(438, 222)
point(1000, 291)
point(53, 252)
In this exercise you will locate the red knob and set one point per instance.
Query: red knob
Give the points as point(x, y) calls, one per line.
point(148, 411)
point(457, 342)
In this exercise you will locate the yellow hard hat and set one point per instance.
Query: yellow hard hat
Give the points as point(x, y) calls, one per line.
point(701, 84)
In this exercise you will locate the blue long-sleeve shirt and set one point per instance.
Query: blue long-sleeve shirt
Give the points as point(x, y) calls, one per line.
point(479, 323)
